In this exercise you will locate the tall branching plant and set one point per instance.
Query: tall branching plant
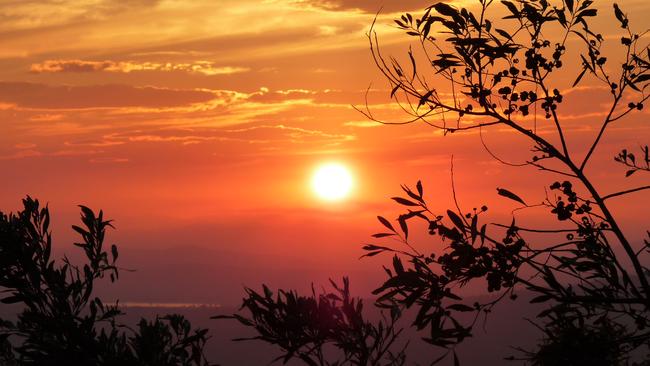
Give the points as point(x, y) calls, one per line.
point(477, 73)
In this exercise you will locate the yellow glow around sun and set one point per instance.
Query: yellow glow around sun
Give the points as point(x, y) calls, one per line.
point(332, 182)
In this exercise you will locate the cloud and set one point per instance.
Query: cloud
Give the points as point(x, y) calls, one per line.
point(366, 6)
point(41, 96)
point(21, 154)
point(265, 136)
point(199, 67)
point(30, 14)
point(324, 96)
point(24, 145)
point(294, 134)
point(362, 124)
point(108, 159)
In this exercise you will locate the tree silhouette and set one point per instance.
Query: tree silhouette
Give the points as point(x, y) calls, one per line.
point(501, 73)
point(62, 322)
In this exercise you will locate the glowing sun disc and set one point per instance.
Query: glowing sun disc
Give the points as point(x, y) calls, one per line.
point(332, 182)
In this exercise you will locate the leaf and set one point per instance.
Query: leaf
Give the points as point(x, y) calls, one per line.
point(588, 13)
point(419, 188)
point(580, 77)
point(79, 230)
point(375, 247)
point(392, 92)
point(513, 9)
point(542, 298)
point(473, 228)
point(386, 223)
point(456, 220)
point(569, 5)
point(630, 172)
point(403, 201)
point(381, 235)
point(619, 14)
point(411, 194)
point(642, 78)
point(460, 307)
point(413, 65)
point(483, 228)
point(114, 252)
point(404, 226)
point(630, 83)
point(445, 9)
point(425, 98)
point(503, 33)
point(397, 264)
point(561, 17)
point(506, 193)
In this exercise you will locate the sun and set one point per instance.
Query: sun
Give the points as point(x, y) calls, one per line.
point(332, 181)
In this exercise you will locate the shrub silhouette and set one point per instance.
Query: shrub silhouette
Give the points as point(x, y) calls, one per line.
point(62, 322)
point(304, 326)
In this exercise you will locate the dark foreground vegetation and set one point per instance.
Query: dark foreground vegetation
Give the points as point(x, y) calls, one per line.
point(590, 280)
point(62, 322)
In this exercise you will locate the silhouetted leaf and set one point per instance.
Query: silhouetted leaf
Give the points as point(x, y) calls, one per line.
point(483, 228)
point(473, 228)
point(114, 252)
point(582, 73)
point(403, 201)
point(503, 33)
point(506, 193)
point(569, 5)
point(392, 92)
point(404, 226)
point(397, 265)
point(445, 9)
point(381, 235)
point(541, 298)
point(618, 13)
point(386, 223)
point(588, 13)
point(513, 9)
point(456, 220)
point(642, 78)
point(460, 307)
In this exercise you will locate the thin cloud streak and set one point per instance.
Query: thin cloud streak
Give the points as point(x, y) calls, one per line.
point(200, 67)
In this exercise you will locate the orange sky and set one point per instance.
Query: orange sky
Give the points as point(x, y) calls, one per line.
point(196, 126)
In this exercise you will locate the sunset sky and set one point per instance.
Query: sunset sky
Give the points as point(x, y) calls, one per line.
point(197, 126)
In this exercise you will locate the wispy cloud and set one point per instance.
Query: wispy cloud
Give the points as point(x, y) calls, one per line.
point(363, 124)
point(33, 95)
point(200, 67)
point(367, 6)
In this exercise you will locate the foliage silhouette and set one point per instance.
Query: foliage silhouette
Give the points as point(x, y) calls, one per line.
point(304, 326)
point(500, 73)
point(61, 322)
